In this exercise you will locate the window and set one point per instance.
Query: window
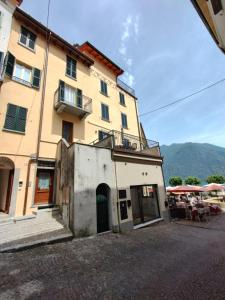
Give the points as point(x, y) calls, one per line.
point(102, 135)
point(71, 66)
point(1, 63)
point(27, 38)
point(122, 194)
point(23, 74)
point(105, 112)
point(70, 95)
point(217, 6)
point(15, 118)
point(124, 120)
point(122, 99)
point(104, 88)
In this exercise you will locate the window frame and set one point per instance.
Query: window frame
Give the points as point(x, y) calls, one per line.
point(103, 88)
point(123, 96)
point(71, 71)
point(19, 79)
point(102, 117)
point(28, 38)
point(124, 126)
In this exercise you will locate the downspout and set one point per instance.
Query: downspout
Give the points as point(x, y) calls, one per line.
point(27, 185)
point(45, 69)
point(117, 202)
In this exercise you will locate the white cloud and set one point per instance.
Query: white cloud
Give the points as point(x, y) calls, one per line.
point(128, 79)
point(136, 24)
point(130, 31)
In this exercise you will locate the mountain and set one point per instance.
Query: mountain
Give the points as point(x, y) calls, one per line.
point(193, 159)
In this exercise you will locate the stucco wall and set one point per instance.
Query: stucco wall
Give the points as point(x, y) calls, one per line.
point(131, 174)
point(92, 166)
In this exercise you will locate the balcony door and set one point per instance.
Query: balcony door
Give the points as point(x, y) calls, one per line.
point(67, 131)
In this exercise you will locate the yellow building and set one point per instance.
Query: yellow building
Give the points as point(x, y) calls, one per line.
point(53, 90)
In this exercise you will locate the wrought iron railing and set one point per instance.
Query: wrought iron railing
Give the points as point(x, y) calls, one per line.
point(125, 87)
point(83, 102)
point(126, 142)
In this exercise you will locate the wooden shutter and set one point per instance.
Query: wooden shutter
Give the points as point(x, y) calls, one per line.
point(106, 92)
point(36, 78)
point(68, 65)
point(217, 6)
point(10, 119)
point(79, 98)
point(10, 61)
point(61, 90)
point(102, 86)
point(21, 119)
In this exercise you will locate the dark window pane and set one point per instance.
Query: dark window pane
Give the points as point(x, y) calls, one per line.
point(122, 194)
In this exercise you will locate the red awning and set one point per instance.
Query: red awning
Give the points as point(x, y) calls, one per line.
point(213, 187)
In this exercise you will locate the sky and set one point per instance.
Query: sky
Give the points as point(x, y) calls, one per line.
point(167, 53)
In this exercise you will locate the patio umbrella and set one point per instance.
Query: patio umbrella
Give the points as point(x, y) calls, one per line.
point(185, 189)
point(213, 187)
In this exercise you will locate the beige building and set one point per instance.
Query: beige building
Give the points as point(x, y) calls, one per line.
point(213, 16)
point(70, 136)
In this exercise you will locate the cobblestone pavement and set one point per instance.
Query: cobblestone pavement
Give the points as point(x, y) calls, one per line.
point(166, 261)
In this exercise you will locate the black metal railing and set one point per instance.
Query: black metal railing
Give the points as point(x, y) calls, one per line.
point(126, 142)
point(125, 87)
point(81, 102)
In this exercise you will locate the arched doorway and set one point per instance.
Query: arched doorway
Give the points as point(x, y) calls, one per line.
point(102, 203)
point(6, 182)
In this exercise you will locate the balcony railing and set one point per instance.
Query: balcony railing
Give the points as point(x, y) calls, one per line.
point(79, 106)
point(125, 87)
point(128, 143)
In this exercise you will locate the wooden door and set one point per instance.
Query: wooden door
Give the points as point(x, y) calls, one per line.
point(44, 187)
point(67, 131)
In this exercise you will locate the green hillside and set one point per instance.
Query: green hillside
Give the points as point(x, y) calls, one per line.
point(193, 159)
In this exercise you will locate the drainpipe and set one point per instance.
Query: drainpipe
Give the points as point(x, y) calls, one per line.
point(117, 201)
point(27, 185)
point(45, 69)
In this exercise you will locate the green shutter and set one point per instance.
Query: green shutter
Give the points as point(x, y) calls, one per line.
point(102, 88)
point(36, 78)
point(10, 61)
point(32, 40)
point(10, 119)
point(79, 98)
point(15, 118)
point(217, 6)
point(21, 119)
point(61, 90)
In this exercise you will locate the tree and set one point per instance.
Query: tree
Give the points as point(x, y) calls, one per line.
point(215, 179)
point(192, 180)
point(175, 180)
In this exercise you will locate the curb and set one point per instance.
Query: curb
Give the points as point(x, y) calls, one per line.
point(30, 245)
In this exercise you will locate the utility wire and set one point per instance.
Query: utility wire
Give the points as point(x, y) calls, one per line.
point(183, 98)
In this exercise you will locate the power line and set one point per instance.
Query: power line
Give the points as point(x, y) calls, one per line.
point(183, 98)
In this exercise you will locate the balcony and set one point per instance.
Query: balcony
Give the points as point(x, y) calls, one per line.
point(69, 100)
point(125, 87)
point(122, 142)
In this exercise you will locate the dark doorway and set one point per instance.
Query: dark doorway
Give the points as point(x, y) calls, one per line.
point(145, 206)
point(6, 183)
point(102, 203)
point(67, 131)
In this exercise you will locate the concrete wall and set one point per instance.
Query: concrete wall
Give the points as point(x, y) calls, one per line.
point(131, 174)
point(92, 166)
point(6, 8)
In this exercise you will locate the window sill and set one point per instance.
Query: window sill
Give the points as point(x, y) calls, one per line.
point(106, 120)
point(106, 95)
point(23, 82)
point(28, 48)
point(125, 128)
point(73, 78)
point(13, 131)
point(124, 105)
